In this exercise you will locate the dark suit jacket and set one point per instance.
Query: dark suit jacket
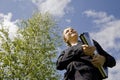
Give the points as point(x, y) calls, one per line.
point(73, 59)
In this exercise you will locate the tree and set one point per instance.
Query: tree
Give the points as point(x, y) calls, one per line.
point(30, 56)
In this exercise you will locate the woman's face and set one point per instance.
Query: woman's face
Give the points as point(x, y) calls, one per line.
point(70, 34)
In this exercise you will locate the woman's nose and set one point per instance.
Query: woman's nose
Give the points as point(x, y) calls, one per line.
point(71, 30)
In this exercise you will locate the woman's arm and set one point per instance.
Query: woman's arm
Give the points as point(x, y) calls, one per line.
point(109, 60)
point(67, 56)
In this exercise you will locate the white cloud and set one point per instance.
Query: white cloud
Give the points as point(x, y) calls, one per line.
point(55, 7)
point(108, 31)
point(109, 34)
point(8, 24)
point(100, 17)
point(68, 20)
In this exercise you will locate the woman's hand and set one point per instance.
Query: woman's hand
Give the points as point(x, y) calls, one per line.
point(98, 60)
point(88, 50)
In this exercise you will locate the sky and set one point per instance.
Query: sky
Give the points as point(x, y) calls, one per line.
point(101, 18)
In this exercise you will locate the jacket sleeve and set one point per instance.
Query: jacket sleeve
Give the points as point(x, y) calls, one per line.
point(110, 60)
point(66, 57)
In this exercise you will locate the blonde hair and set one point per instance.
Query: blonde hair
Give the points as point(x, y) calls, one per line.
point(66, 41)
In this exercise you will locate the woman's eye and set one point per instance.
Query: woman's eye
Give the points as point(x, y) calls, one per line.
point(67, 31)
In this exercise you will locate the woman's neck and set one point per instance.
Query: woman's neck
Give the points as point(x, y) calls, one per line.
point(73, 43)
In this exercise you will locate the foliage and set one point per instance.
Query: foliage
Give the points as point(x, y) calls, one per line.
point(30, 56)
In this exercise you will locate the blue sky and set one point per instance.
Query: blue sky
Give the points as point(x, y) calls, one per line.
point(101, 18)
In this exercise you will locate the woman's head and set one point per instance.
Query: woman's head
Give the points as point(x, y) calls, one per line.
point(70, 35)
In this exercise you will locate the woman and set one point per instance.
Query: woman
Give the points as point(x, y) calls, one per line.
point(79, 60)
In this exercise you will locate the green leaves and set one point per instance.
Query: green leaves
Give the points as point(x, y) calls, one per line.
point(30, 55)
